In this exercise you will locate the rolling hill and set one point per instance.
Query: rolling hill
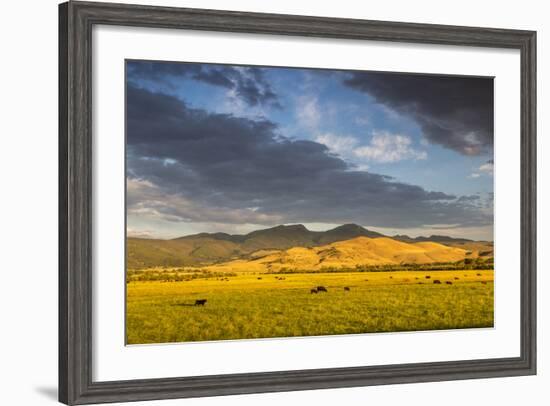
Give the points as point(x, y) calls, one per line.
point(347, 254)
point(144, 253)
point(211, 248)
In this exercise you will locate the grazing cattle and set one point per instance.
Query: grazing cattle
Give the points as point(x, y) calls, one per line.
point(347, 289)
point(366, 280)
point(437, 281)
point(321, 289)
point(313, 290)
point(391, 277)
point(456, 278)
point(259, 278)
point(448, 282)
point(200, 302)
point(484, 282)
point(478, 274)
point(428, 276)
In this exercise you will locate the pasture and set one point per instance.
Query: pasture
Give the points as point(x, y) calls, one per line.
point(248, 305)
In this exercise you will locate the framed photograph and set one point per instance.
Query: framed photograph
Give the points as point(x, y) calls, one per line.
point(258, 203)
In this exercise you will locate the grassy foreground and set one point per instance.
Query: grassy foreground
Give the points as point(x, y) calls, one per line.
point(249, 305)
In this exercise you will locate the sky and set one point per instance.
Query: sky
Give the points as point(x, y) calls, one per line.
point(227, 148)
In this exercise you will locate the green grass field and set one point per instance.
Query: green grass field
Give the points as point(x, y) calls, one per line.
point(244, 306)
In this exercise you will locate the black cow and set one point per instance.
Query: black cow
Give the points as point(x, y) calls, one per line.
point(321, 289)
point(437, 281)
point(200, 302)
point(313, 290)
point(347, 289)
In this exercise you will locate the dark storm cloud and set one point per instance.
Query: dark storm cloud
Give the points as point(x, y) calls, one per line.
point(455, 112)
point(249, 83)
point(202, 162)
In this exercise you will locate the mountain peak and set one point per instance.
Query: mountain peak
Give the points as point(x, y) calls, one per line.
point(293, 228)
point(353, 230)
point(349, 227)
point(297, 227)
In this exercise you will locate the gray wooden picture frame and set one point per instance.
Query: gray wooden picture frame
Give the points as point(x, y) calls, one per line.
point(76, 20)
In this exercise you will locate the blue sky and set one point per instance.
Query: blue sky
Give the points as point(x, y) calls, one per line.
point(421, 145)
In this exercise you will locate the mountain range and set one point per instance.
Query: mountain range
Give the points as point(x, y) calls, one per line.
point(210, 248)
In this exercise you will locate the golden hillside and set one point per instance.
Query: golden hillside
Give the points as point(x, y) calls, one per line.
point(346, 254)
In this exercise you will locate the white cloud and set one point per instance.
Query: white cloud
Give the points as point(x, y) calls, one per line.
point(339, 144)
point(308, 111)
point(361, 167)
point(486, 169)
point(233, 104)
point(385, 147)
point(136, 233)
point(137, 186)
